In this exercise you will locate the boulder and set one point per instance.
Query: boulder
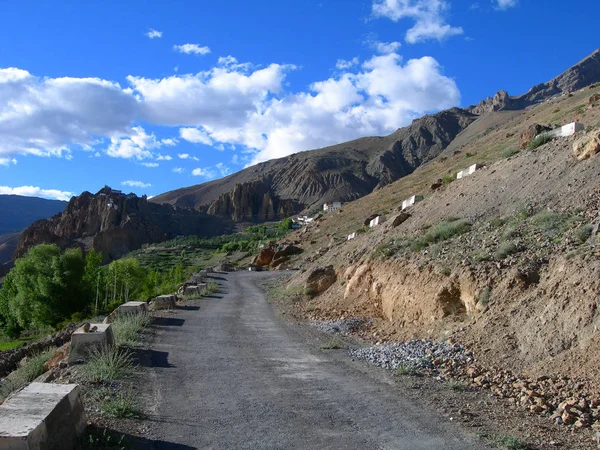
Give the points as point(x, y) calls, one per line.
point(278, 261)
point(531, 132)
point(265, 256)
point(367, 221)
point(587, 145)
point(59, 355)
point(320, 279)
point(593, 99)
point(435, 186)
point(400, 219)
point(287, 250)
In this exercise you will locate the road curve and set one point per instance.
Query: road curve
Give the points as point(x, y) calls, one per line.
point(231, 375)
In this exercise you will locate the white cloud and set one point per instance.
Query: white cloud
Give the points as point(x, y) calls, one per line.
point(152, 34)
point(169, 142)
point(138, 145)
point(149, 164)
point(138, 184)
point(191, 49)
point(160, 157)
point(34, 191)
point(385, 47)
point(206, 173)
point(223, 169)
point(429, 17)
point(183, 155)
point(505, 4)
point(178, 170)
point(343, 64)
point(7, 161)
point(195, 136)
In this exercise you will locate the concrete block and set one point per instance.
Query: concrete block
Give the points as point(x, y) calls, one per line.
point(163, 302)
point(132, 308)
point(351, 236)
point(376, 221)
point(255, 268)
point(566, 130)
point(197, 289)
point(42, 416)
point(209, 270)
point(202, 273)
point(468, 171)
point(411, 201)
point(83, 343)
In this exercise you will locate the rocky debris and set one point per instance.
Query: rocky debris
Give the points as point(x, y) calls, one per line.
point(225, 267)
point(400, 219)
point(61, 354)
point(342, 326)
point(593, 99)
point(287, 250)
point(265, 256)
point(530, 133)
point(435, 186)
point(587, 145)
point(418, 354)
point(10, 359)
point(320, 279)
point(367, 221)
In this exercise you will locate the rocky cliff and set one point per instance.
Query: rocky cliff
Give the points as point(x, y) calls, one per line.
point(344, 172)
point(584, 73)
point(19, 211)
point(115, 224)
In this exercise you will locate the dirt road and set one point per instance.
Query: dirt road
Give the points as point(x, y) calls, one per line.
point(232, 375)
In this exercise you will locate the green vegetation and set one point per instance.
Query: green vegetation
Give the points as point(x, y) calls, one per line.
point(484, 296)
point(107, 364)
point(510, 152)
point(405, 369)
point(449, 179)
point(582, 233)
point(127, 329)
point(509, 442)
point(442, 232)
point(333, 344)
point(122, 406)
point(96, 439)
point(456, 386)
point(539, 140)
point(505, 249)
point(33, 368)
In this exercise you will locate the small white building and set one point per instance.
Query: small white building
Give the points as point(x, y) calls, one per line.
point(351, 236)
point(468, 171)
point(332, 207)
point(411, 201)
point(567, 130)
point(376, 221)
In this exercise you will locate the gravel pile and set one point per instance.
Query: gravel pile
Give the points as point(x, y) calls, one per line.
point(417, 354)
point(344, 326)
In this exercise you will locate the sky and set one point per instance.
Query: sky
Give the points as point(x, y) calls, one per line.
point(150, 96)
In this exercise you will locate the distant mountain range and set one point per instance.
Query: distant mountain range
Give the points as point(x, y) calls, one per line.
point(344, 172)
point(19, 212)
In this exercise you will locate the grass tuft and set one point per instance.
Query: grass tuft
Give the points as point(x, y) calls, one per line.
point(332, 344)
point(505, 249)
point(127, 328)
point(107, 364)
point(123, 406)
point(510, 442)
point(539, 140)
point(33, 368)
point(405, 369)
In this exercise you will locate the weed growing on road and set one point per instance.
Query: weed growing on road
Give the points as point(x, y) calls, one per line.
point(405, 369)
point(107, 364)
point(127, 329)
point(33, 368)
point(96, 438)
point(332, 344)
point(123, 406)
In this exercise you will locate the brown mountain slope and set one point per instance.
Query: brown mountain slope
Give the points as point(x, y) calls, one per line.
point(115, 224)
point(347, 171)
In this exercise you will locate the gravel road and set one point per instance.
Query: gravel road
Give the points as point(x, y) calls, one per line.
point(231, 375)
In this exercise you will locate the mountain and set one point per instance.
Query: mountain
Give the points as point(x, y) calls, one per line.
point(345, 172)
point(19, 211)
point(115, 224)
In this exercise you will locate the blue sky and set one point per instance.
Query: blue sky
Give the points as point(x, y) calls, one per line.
point(152, 96)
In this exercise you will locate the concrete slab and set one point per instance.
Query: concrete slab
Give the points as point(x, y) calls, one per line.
point(42, 416)
point(468, 171)
point(411, 201)
point(83, 343)
point(352, 236)
point(376, 221)
point(194, 290)
point(566, 130)
point(132, 308)
point(163, 302)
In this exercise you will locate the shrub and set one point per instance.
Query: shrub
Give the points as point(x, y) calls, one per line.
point(33, 368)
point(448, 179)
point(484, 296)
point(456, 386)
point(584, 232)
point(552, 223)
point(510, 442)
point(107, 364)
point(405, 369)
point(211, 288)
point(332, 344)
point(127, 328)
point(123, 406)
point(442, 232)
point(510, 152)
point(539, 140)
point(505, 249)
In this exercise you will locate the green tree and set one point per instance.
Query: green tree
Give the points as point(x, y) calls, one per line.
point(286, 224)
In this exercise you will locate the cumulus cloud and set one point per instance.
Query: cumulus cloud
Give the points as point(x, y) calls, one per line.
point(190, 49)
point(343, 64)
point(385, 47)
point(34, 191)
point(138, 145)
point(505, 4)
point(47, 116)
point(153, 34)
point(178, 169)
point(149, 164)
point(7, 161)
point(206, 173)
point(428, 15)
point(138, 184)
point(160, 157)
point(195, 136)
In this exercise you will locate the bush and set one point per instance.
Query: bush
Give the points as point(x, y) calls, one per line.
point(510, 442)
point(123, 406)
point(405, 369)
point(484, 296)
point(33, 368)
point(505, 249)
point(510, 152)
point(448, 179)
point(442, 232)
point(127, 328)
point(539, 140)
point(552, 223)
point(584, 232)
point(107, 364)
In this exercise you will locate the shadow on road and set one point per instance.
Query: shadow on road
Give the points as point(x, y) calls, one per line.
point(168, 321)
point(105, 438)
point(217, 278)
point(188, 308)
point(151, 358)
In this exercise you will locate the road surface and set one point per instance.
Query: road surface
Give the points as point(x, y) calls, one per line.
point(231, 375)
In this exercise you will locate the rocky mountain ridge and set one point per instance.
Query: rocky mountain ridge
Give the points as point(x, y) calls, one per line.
point(115, 224)
point(20, 211)
point(278, 188)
